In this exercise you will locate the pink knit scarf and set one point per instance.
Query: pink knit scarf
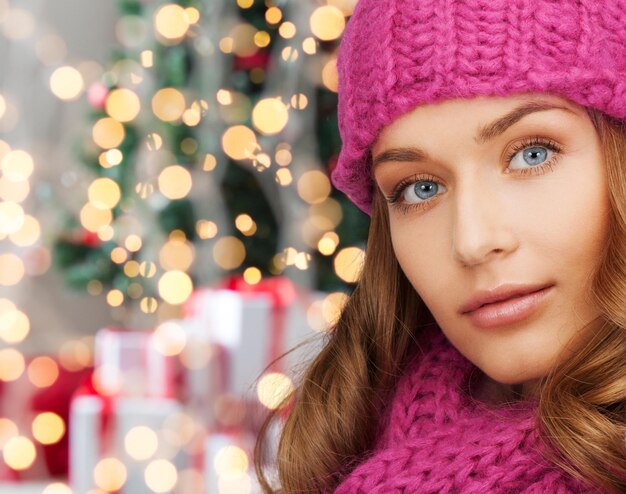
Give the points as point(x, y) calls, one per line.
point(438, 439)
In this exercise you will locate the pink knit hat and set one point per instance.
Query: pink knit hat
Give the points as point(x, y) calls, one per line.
point(398, 54)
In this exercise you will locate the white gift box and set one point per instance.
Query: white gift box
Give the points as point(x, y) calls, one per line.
point(248, 326)
point(87, 436)
point(133, 387)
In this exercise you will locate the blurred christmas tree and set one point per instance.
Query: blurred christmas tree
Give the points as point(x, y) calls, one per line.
point(209, 144)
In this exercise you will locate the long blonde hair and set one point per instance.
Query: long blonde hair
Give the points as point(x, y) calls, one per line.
point(336, 408)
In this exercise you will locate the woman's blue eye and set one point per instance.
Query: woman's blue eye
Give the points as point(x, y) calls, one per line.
point(533, 156)
point(422, 189)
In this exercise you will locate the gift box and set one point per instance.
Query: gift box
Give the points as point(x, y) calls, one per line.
point(35, 407)
point(125, 424)
point(254, 325)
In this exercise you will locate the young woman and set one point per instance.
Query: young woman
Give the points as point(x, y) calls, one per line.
point(484, 347)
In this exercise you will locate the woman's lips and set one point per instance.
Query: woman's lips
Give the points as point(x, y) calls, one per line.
point(508, 311)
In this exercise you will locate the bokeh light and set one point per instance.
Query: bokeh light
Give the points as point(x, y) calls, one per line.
point(48, 428)
point(43, 371)
point(270, 116)
point(229, 252)
point(123, 105)
point(17, 165)
point(239, 142)
point(175, 182)
point(273, 388)
point(327, 22)
point(66, 83)
point(19, 453)
point(175, 287)
point(161, 476)
point(171, 22)
point(168, 104)
point(348, 263)
point(169, 338)
point(108, 133)
point(110, 474)
point(141, 442)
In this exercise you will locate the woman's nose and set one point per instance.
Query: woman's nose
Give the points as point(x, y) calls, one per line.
point(482, 227)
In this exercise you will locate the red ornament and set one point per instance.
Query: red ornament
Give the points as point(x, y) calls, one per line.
point(259, 60)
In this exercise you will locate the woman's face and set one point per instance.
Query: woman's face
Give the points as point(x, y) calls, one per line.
point(498, 191)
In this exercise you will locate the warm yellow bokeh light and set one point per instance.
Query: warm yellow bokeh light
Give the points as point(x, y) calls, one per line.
point(108, 133)
point(348, 263)
point(273, 388)
point(192, 14)
point(141, 442)
point(149, 305)
point(75, 355)
point(17, 165)
point(93, 219)
point(175, 182)
point(43, 371)
point(16, 191)
point(289, 54)
point(252, 275)
point(8, 430)
point(110, 474)
point(176, 255)
point(332, 306)
point(284, 177)
point(239, 142)
point(299, 101)
point(287, 30)
point(244, 223)
point(328, 244)
point(133, 243)
point(206, 229)
point(209, 163)
point(14, 326)
point(104, 193)
point(19, 453)
point(168, 104)
point(147, 269)
point(147, 58)
point(262, 39)
point(119, 255)
point(123, 105)
point(330, 77)
point(169, 338)
point(245, 4)
point(229, 252)
point(11, 269)
point(171, 22)
point(161, 476)
point(314, 186)
point(48, 428)
point(115, 297)
point(327, 22)
point(175, 287)
point(309, 46)
point(12, 364)
point(66, 83)
point(28, 234)
point(270, 116)
point(11, 217)
point(273, 15)
point(58, 488)
point(230, 460)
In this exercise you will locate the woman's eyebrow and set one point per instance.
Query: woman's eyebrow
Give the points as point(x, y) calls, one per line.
point(485, 133)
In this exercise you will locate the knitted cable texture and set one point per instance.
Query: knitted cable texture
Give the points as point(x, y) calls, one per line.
point(398, 54)
point(436, 438)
